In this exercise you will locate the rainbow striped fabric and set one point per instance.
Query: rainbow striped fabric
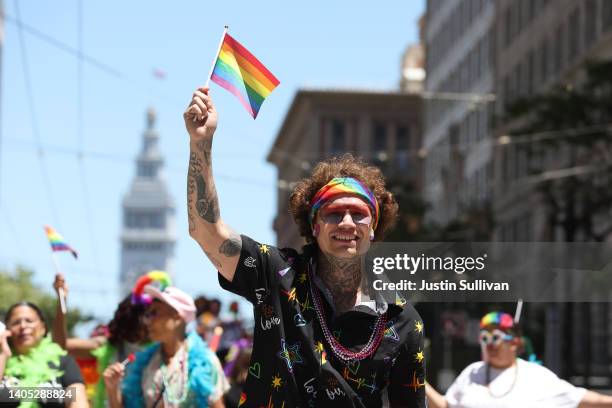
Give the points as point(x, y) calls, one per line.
point(503, 320)
point(57, 241)
point(344, 185)
point(238, 71)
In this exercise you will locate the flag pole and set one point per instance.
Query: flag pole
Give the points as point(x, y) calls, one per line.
point(519, 309)
point(216, 56)
point(62, 295)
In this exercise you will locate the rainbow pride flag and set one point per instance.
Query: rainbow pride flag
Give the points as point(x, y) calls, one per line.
point(238, 71)
point(57, 241)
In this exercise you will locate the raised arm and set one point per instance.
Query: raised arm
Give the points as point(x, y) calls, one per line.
point(218, 241)
point(59, 331)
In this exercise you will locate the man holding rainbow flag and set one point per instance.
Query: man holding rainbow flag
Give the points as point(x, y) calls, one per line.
point(320, 338)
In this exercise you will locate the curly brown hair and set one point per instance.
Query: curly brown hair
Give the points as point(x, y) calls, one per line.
point(345, 166)
point(127, 323)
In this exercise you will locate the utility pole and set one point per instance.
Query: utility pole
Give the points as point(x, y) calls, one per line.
point(1, 61)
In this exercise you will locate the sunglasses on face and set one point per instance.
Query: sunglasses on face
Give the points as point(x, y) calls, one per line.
point(335, 216)
point(496, 337)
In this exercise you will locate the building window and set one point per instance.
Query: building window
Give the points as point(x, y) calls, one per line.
point(519, 16)
point(379, 142)
point(574, 35)
point(338, 139)
point(516, 82)
point(590, 24)
point(508, 26)
point(145, 170)
point(465, 76)
point(544, 61)
point(506, 91)
point(482, 123)
point(143, 220)
point(402, 143)
point(530, 72)
point(484, 56)
point(606, 15)
point(559, 46)
point(524, 78)
point(531, 4)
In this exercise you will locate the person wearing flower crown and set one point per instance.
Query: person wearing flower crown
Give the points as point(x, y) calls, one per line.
point(502, 380)
point(319, 338)
point(177, 370)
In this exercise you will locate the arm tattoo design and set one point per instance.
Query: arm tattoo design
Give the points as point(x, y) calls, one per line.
point(191, 189)
point(207, 203)
point(201, 184)
point(231, 246)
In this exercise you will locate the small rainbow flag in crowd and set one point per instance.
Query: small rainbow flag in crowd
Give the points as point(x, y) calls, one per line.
point(57, 241)
point(238, 71)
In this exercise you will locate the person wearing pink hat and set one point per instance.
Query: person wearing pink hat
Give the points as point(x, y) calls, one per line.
point(177, 370)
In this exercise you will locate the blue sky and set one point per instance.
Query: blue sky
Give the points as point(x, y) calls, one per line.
point(307, 44)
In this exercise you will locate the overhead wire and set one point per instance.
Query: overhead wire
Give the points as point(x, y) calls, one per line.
point(88, 210)
point(34, 121)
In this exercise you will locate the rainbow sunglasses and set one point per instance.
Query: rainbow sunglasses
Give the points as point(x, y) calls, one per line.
point(495, 337)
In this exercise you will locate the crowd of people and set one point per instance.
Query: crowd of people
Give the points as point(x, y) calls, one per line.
point(145, 356)
point(321, 336)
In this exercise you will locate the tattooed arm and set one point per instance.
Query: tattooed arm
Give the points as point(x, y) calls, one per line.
point(218, 241)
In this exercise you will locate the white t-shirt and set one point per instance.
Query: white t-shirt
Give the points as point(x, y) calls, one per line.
point(536, 386)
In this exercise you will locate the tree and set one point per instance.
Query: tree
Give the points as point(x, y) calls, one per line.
point(18, 286)
point(411, 212)
point(573, 123)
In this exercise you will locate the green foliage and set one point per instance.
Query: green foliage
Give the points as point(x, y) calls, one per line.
point(17, 286)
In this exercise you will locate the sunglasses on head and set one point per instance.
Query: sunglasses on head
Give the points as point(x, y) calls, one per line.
point(496, 337)
point(335, 216)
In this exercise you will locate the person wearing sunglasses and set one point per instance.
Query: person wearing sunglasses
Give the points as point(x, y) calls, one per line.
point(321, 337)
point(177, 370)
point(32, 366)
point(502, 380)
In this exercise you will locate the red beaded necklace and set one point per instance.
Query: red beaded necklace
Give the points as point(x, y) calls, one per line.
point(341, 352)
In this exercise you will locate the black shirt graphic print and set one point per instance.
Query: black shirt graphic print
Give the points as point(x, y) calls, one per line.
point(293, 366)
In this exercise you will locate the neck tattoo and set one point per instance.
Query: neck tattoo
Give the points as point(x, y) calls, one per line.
point(342, 276)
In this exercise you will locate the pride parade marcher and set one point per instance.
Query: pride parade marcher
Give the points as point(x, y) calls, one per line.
point(502, 380)
point(319, 341)
point(125, 334)
point(178, 369)
point(32, 365)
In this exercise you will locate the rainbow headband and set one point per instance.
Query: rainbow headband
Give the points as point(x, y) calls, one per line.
point(503, 320)
point(343, 185)
point(138, 295)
